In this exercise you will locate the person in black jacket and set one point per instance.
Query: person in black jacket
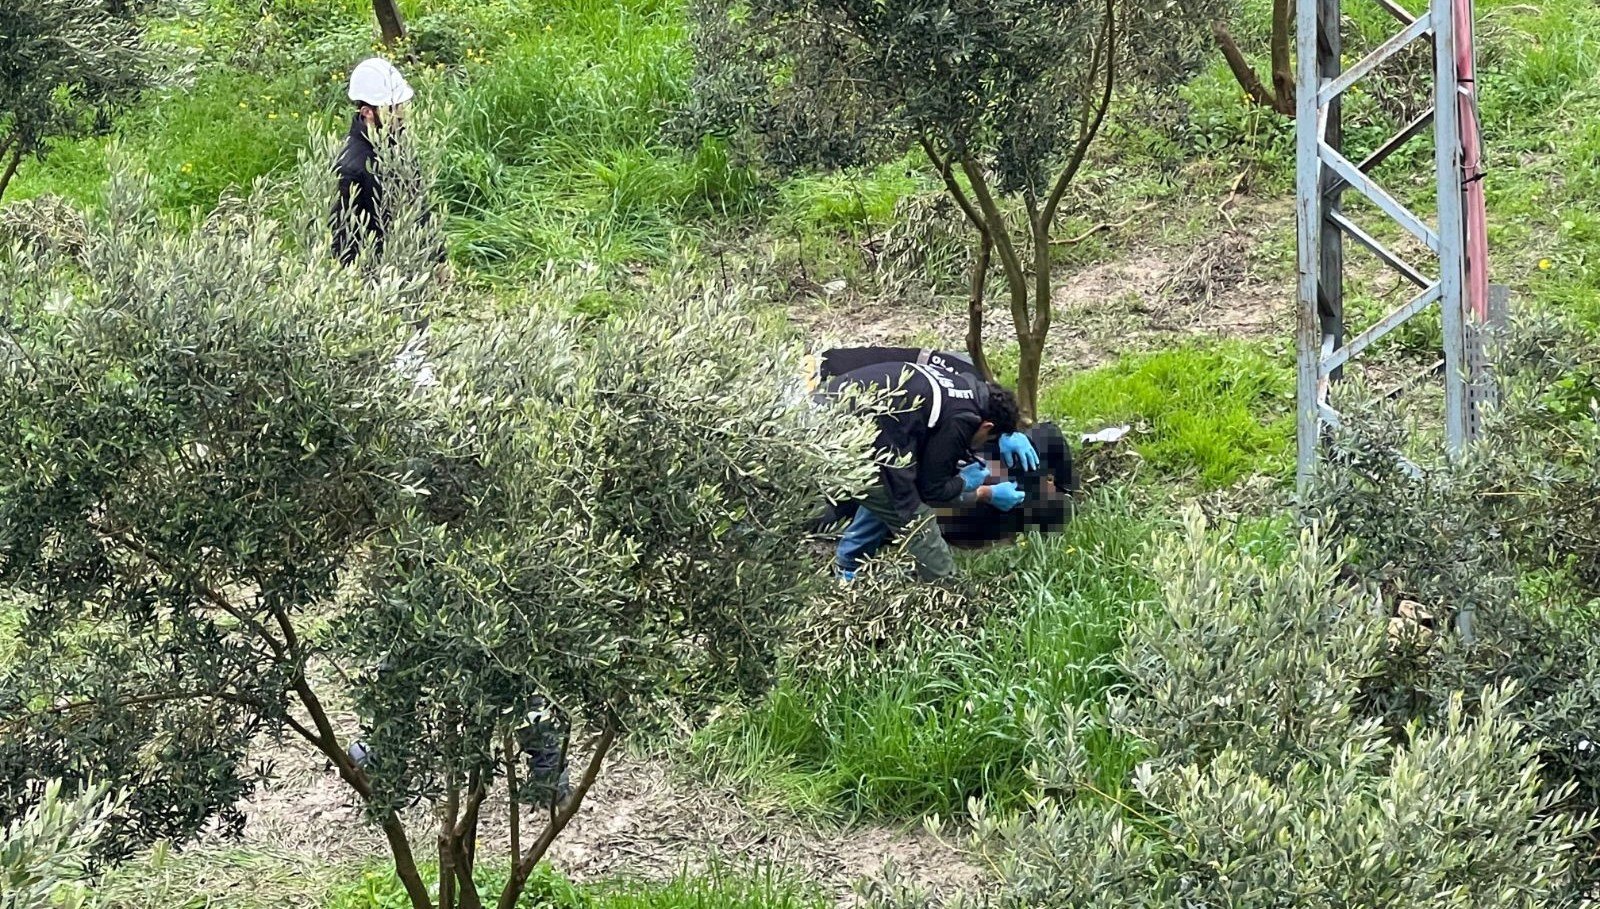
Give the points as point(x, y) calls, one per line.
point(362, 213)
point(930, 423)
point(1038, 459)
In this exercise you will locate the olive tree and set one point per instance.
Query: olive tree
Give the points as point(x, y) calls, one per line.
point(66, 66)
point(45, 854)
point(1264, 779)
point(1004, 97)
point(233, 512)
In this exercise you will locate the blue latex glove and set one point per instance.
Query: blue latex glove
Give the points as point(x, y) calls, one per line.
point(1006, 496)
point(1016, 450)
point(973, 475)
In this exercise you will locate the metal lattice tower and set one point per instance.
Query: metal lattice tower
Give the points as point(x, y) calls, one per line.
point(1456, 240)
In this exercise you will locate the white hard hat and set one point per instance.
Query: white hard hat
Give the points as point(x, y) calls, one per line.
point(375, 81)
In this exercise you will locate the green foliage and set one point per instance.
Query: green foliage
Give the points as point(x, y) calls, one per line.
point(66, 67)
point(921, 722)
point(1454, 817)
point(1266, 786)
point(834, 84)
point(717, 888)
point(1503, 540)
point(1221, 123)
point(1239, 654)
point(225, 472)
point(1216, 413)
point(45, 853)
point(194, 413)
point(670, 473)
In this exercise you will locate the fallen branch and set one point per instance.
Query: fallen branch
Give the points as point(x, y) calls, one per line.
point(1103, 226)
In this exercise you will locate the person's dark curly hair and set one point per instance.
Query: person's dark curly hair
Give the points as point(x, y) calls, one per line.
point(1001, 410)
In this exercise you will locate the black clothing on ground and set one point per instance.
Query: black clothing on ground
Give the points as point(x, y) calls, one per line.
point(980, 523)
point(933, 416)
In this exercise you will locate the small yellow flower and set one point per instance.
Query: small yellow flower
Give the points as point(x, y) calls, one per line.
point(306, 92)
point(1544, 264)
point(272, 116)
point(244, 105)
point(549, 28)
point(188, 167)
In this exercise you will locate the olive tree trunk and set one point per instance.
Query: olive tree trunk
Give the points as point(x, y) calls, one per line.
point(390, 22)
point(1281, 96)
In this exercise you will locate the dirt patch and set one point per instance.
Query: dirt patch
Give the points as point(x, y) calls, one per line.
point(1230, 284)
point(640, 821)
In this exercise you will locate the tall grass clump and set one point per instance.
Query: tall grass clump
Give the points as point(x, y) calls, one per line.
point(950, 718)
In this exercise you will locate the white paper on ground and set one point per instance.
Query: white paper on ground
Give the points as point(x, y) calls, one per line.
point(1108, 435)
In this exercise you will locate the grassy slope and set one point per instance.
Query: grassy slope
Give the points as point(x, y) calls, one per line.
point(558, 158)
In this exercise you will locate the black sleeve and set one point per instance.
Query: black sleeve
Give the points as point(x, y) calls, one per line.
point(939, 479)
point(355, 212)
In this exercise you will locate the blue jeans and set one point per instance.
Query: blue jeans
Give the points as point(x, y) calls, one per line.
point(861, 539)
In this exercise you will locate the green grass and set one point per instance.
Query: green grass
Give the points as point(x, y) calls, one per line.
point(717, 888)
point(1212, 414)
point(954, 722)
point(208, 877)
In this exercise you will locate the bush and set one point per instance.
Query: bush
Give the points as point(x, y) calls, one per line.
point(1502, 543)
point(1237, 655)
point(45, 853)
point(1454, 817)
point(1265, 785)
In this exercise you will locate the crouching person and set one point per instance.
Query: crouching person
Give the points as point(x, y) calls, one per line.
point(930, 421)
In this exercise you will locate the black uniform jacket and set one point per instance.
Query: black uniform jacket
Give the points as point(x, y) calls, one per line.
point(933, 417)
point(356, 213)
point(840, 360)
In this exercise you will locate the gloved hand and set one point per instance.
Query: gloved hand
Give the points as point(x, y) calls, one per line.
point(1016, 450)
point(1006, 496)
point(973, 475)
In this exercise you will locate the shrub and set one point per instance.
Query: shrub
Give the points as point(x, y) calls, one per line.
point(1504, 539)
point(1238, 655)
point(1454, 817)
point(228, 485)
point(66, 67)
point(45, 853)
point(1265, 785)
